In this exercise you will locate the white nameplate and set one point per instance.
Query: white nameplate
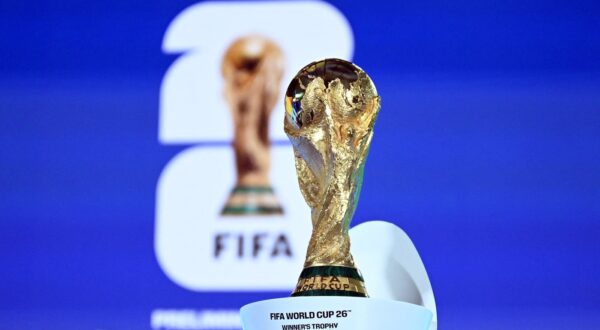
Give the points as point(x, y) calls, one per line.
point(347, 313)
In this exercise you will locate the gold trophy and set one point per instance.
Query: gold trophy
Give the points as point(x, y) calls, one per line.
point(331, 107)
point(252, 69)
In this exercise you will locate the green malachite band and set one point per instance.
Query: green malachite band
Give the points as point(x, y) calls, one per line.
point(252, 189)
point(331, 271)
point(328, 293)
point(251, 210)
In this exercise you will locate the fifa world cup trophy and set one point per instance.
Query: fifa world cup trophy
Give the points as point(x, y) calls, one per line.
point(331, 107)
point(252, 69)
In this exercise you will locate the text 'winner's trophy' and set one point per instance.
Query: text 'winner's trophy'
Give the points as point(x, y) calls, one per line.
point(331, 107)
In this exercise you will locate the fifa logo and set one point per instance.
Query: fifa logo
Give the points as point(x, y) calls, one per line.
point(229, 200)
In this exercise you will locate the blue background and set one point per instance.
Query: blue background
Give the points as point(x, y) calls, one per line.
point(486, 151)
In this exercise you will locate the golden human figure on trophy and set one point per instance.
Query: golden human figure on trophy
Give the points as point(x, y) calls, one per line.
point(331, 106)
point(252, 68)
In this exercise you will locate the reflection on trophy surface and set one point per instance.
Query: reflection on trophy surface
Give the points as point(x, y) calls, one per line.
point(331, 107)
point(252, 68)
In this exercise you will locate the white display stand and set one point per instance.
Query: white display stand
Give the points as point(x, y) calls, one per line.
point(347, 313)
point(401, 297)
point(391, 265)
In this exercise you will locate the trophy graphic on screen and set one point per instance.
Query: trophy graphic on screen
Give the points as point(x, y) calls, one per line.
point(252, 68)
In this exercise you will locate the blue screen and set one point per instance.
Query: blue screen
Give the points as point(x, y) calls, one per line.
point(486, 152)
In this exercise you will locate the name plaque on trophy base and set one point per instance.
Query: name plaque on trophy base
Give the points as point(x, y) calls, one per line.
point(347, 313)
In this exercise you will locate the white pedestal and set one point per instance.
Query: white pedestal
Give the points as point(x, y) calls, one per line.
point(346, 313)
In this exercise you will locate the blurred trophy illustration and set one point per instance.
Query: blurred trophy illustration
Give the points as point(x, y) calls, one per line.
point(331, 107)
point(252, 69)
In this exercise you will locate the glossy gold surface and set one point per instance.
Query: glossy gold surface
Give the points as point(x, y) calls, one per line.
point(331, 107)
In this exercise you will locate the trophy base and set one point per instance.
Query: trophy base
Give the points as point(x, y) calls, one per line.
point(252, 200)
point(330, 281)
point(347, 313)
